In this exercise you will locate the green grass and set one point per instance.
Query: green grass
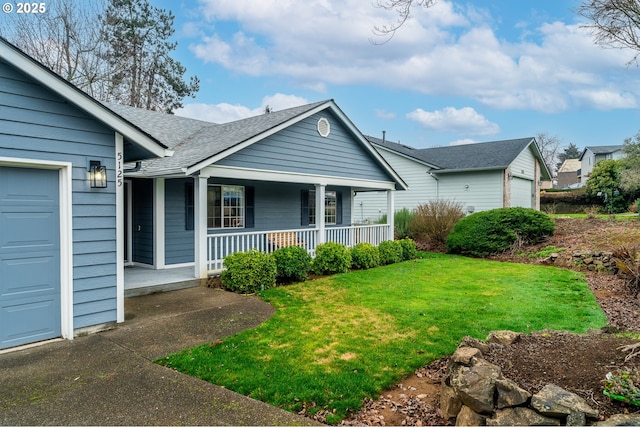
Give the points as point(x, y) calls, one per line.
point(627, 216)
point(337, 340)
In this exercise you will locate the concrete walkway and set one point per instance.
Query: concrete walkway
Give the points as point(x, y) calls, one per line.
point(108, 378)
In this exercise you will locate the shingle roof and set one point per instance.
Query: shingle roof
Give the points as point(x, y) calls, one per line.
point(195, 141)
point(485, 155)
point(604, 149)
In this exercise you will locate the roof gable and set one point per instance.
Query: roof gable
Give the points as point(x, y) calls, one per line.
point(601, 149)
point(137, 141)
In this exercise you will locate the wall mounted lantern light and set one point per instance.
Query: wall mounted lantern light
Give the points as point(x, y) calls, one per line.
point(97, 174)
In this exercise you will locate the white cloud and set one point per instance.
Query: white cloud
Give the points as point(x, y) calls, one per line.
point(464, 141)
point(447, 50)
point(223, 113)
point(385, 115)
point(465, 121)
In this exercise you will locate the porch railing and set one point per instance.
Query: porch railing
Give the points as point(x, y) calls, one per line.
point(221, 245)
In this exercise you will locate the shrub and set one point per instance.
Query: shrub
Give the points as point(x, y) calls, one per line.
point(331, 258)
point(364, 256)
point(292, 264)
point(498, 230)
point(628, 263)
point(401, 223)
point(390, 252)
point(434, 220)
point(249, 272)
point(409, 249)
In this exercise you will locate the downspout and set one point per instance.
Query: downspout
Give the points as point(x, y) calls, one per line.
point(134, 169)
point(432, 175)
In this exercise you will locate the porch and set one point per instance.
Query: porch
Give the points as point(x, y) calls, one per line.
point(142, 280)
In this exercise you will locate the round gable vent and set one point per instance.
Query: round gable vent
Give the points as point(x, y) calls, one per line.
point(324, 128)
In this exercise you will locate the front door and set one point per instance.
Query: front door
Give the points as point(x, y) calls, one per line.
point(30, 292)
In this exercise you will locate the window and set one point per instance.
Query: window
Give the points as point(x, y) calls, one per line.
point(225, 206)
point(330, 207)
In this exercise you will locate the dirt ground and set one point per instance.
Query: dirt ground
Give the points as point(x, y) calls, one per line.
point(577, 363)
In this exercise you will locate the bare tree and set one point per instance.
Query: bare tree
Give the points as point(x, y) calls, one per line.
point(67, 39)
point(615, 23)
point(403, 10)
point(549, 146)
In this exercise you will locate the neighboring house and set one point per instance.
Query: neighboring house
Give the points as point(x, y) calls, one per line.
point(480, 176)
point(73, 215)
point(61, 269)
point(592, 155)
point(568, 173)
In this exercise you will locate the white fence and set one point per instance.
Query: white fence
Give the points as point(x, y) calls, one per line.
point(221, 245)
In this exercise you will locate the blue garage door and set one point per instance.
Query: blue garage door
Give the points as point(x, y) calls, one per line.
point(29, 256)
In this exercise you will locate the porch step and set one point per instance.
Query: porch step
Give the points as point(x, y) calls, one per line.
point(165, 287)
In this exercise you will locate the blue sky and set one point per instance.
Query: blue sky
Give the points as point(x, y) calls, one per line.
point(459, 72)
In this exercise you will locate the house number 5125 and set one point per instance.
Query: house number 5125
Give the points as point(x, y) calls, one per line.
point(119, 169)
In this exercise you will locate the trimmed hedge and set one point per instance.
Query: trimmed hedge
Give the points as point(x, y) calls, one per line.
point(292, 264)
point(498, 230)
point(390, 252)
point(249, 272)
point(331, 258)
point(364, 256)
point(409, 249)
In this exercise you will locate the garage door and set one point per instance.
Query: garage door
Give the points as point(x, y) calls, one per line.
point(29, 256)
point(521, 193)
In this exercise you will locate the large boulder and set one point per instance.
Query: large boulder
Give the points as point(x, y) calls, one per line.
point(503, 337)
point(621, 420)
point(510, 394)
point(476, 386)
point(521, 417)
point(463, 355)
point(555, 401)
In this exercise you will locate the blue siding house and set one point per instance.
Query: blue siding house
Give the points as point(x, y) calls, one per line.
point(281, 178)
point(61, 269)
point(89, 189)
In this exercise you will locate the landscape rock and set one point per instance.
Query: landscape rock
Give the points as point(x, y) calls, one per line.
point(621, 420)
point(521, 417)
point(468, 417)
point(463, 355)
point(510, 394)
point(576, 419)
point(503, 337)
point(450, 403)
point(475, 343)
point(476, 386)
point(555, 401)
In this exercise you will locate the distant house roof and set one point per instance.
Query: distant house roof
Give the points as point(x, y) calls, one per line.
point(602, 149)
point(469, 157)
point(570, 165)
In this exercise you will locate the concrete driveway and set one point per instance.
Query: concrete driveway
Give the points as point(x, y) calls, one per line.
point(108, 378)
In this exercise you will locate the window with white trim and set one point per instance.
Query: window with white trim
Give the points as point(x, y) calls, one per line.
point(330, 207)
point(225, 206)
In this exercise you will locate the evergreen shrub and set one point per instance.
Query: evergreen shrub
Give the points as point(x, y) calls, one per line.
point(331, 258)
point(292, 264)
point(390, 252)
point(364, 256)
point(249, 272)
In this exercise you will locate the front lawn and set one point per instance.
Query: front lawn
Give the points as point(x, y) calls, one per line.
point(337, 340)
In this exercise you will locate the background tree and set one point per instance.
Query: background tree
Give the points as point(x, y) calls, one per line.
point(549, 146)
point(570, 152)
point(67, 39)
point(143, 73)
point(403, 10)
point(630, 173)
point(603, 186)
point(615, 23)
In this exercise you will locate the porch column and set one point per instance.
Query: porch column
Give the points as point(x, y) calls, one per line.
point(120, 218)
point(158, 223)
point(320, 226)
point(391, 210)
point(200, 226)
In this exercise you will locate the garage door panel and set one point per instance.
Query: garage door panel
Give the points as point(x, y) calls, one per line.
point(29, 256)
point(521, 193)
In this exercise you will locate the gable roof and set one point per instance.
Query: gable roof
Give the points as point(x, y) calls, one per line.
point(132, 134)
point(601, 149)
point(492, 155)
point(198, 144)
point(570, 165)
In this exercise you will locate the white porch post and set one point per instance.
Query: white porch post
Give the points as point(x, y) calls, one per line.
point(320, 226)
point(391, 210)
point(158, 223)
point(200, 226)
